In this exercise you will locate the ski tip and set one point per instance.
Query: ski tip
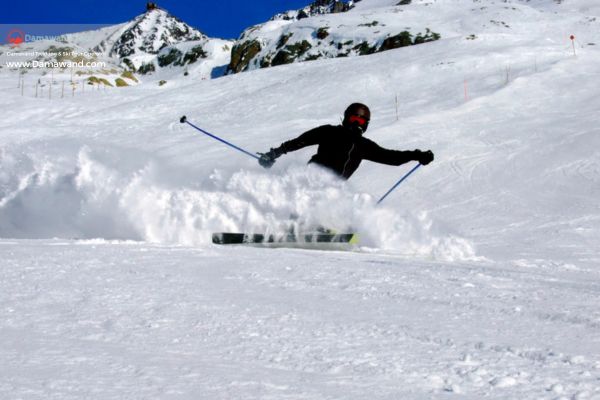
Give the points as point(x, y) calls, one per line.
point(183, 119)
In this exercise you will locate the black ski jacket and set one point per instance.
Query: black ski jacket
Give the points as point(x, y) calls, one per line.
point(342, 151)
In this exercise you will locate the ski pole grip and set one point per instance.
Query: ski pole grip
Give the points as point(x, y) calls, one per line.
point(183, 119)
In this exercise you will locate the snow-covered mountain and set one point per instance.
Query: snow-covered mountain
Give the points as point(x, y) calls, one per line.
point(151, 32)
point(319, 7)
point(477, 278)
point(330, 29)
point(154, 45)
point(156, 40)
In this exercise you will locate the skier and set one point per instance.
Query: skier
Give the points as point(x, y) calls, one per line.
point(343, 147)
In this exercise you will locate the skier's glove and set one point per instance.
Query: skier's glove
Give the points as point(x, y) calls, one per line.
point(268, 159)
point(423, 157)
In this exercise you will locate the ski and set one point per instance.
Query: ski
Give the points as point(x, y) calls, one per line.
point(257, 238)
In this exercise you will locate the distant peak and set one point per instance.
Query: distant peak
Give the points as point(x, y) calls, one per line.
point(152, 31)
point(151, 6)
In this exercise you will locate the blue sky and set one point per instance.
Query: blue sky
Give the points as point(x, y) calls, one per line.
point(224, 18)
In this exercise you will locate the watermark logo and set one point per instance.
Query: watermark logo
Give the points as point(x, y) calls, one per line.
point(15, 37)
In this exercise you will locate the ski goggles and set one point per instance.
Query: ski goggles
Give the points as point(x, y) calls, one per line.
point(357, 118)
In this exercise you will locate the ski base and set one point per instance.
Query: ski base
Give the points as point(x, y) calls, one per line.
point(291, 238)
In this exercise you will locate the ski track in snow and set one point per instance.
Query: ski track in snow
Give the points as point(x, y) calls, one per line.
point(478, 278)
point(133, 320)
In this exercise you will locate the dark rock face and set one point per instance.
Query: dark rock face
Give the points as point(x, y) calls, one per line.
point(129, 64)
point(176, 58)
point(400, 40)
point(124, 46)
point(283, 39)
point(364, 49)
point(242, 54)
point(290, 53)
point(169, 58)
point(322, 33)
point(404, 39)
point(193, 55)
point(146, 68)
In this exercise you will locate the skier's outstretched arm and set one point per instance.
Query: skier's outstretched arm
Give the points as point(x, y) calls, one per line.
point(308, 138)
point(378, 154)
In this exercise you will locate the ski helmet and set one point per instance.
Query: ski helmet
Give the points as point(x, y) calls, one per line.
point(356, 118)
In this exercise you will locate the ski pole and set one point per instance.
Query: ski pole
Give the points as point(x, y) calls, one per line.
point(399, 182)
point(184, 120)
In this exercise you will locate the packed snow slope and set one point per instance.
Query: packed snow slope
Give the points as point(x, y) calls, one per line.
point(478, 278)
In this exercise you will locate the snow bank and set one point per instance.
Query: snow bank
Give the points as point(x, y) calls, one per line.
point(124, 194)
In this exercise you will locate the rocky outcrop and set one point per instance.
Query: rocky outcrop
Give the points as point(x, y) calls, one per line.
point(242, 54)
point(298, 35)
point(402, 39)
point(290, 53)
point(249, 54)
